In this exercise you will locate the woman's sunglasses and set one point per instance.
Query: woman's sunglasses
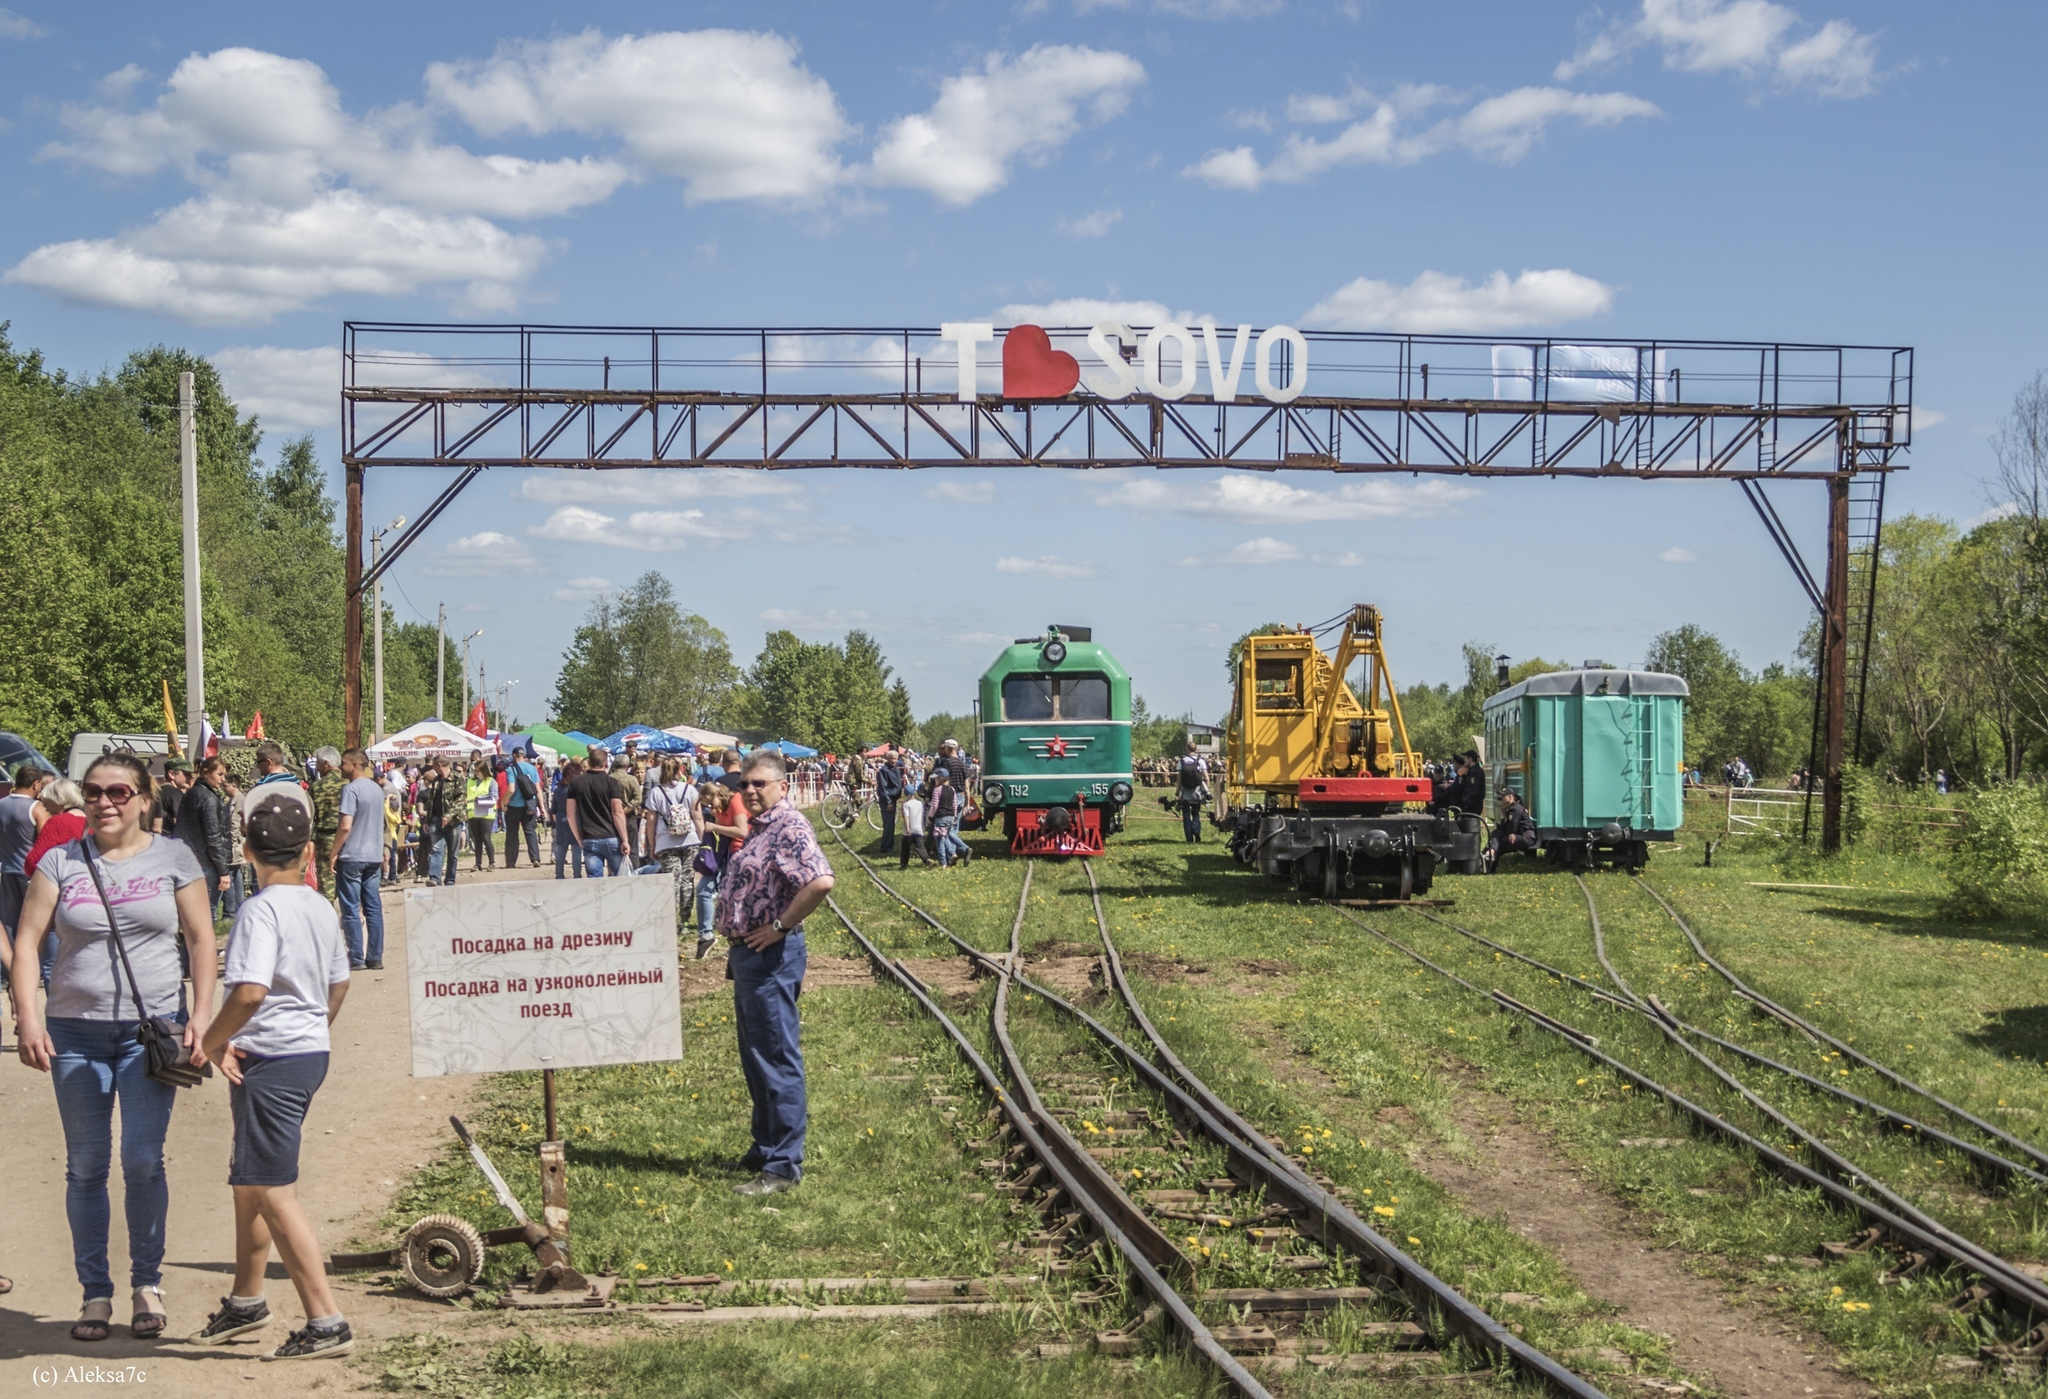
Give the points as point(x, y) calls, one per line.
point(118, 793)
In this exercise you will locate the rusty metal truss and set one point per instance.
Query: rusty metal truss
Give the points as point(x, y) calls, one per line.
point(597, 398)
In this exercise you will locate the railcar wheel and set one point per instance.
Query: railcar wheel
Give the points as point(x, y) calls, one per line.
point(441, 1256)
point(1330, 875)
point(1407, 877)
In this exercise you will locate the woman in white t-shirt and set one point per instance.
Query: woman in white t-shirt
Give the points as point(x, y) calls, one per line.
point(87, 1044)
point(675, 834)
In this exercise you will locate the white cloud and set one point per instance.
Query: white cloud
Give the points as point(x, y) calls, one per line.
point(1263, 498)
point(284, 388)
point(1502, 128)
point(1437, 303)
point(733, 115)
point(1027, 107)
point(486, 555)
point(1675, 554)
point(14, 26)
point(1048, 566)
point(1256, 553)
point(299, 200)
point(655, 531)
point(1754, 38)
point(1091, 225)
point(654, 487)
point(2003, 510)
point(1925, 418)
point(963, 492)
point(1189, 9)
point(1087, 311)
point(584, 590)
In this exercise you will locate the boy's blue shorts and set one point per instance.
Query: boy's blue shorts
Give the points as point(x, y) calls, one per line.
point(269, 1109)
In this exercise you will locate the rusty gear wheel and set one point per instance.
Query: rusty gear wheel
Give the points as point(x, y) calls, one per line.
point(441, 1256)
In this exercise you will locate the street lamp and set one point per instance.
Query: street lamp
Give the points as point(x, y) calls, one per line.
point(465, 671)
point(377, 606)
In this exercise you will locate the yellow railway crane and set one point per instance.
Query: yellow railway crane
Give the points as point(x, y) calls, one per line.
point(1320, 786)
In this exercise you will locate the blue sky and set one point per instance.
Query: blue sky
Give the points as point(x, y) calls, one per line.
point(240, 179)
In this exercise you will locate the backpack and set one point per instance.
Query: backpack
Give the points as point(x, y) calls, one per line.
point(1190, 772)
point(529, 793)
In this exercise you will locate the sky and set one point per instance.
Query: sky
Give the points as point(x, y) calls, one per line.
point(240, 179)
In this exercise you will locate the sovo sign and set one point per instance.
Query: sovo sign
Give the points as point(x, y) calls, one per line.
point(1168, 362)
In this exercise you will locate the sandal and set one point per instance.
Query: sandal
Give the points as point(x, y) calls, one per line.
point(6, 1286)
point(150, 1318)
point(93, 1319)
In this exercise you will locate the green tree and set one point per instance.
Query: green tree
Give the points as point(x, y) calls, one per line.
point(900, 721)
point(639, 658)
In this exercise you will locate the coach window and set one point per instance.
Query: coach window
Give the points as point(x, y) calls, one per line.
point(1278, 684)
point(1084, 697)
point(1028, 697)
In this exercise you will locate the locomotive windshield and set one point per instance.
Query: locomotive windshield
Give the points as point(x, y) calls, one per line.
point(1056, 697)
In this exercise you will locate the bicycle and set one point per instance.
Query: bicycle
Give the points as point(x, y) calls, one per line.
point(841, 811)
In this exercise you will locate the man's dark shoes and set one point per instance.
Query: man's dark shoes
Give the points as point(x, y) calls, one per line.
point(764, 1184)
point(374, 965)
point(314, 1344)
point(231, 1323)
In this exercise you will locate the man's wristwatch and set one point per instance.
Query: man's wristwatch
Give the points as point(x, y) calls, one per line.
point(776, 924)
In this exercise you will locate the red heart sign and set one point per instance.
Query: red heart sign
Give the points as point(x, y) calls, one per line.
point(1032, 368)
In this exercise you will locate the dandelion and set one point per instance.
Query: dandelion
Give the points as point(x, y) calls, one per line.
point(728, 1265)
point(1384, 1210)
point(639, 1267)
point(1855, 1306)
point(1413, 1240)
point(1205, 1250)
point(871, 1131)
point(1834, 1292)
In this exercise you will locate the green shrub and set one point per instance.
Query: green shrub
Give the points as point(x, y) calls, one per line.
point(2003, 853)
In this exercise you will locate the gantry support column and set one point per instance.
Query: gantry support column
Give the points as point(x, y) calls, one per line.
point(352, 617)
point(1835, 665)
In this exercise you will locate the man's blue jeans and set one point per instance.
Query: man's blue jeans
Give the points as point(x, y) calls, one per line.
point(441, 860)
point(764, 992)
point(707, 905)
point(96, 1062)
point(602, 857)
point(357, 883)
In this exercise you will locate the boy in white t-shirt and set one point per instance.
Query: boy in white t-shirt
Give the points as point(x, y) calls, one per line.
point(286, 974)
point(910, 811)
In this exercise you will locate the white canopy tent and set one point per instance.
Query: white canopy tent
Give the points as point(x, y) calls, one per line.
point(430, 738)
point(703, 738)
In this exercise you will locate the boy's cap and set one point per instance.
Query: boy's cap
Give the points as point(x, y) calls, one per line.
point(279, 827)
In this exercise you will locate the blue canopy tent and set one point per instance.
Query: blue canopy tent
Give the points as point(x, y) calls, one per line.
point(648, 740)
point(790, 750)
point(583, 738)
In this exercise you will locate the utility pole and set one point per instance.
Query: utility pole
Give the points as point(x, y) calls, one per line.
point(441, 661)
point(377, 606)
point(195, 636)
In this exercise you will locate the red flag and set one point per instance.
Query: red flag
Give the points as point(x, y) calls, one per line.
point(255, 729)
point(476, 724)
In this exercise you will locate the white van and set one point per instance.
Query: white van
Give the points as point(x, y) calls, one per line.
point(85, 748)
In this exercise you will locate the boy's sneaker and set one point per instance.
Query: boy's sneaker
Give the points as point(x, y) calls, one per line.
point(312, 1344)
point(231, 1323)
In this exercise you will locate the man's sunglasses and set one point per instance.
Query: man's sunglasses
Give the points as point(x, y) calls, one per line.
point(120, 794)
point(757, 783)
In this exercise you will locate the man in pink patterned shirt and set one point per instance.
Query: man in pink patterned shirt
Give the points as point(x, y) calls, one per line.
point(766, 890)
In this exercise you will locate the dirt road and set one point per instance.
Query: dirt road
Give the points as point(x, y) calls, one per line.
point(371, 1124)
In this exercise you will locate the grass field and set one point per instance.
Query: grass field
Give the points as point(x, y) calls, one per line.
point(1315, 1030)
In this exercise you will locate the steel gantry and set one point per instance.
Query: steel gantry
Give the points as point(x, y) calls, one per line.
point(467, 398)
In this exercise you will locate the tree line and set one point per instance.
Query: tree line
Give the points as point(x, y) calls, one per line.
point(90, 505)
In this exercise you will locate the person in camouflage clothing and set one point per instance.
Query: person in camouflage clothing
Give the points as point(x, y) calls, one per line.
point(326, 792)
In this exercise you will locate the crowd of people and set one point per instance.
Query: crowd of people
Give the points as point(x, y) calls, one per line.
point(110, 888)
point(933, 800)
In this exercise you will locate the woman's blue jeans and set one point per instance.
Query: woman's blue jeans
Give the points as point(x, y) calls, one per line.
point(97, 1062)
point(566, 848)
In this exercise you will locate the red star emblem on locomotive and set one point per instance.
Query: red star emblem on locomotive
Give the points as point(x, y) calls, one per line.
point(1056, 748)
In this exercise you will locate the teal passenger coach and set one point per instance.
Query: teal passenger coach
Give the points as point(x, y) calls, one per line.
point(1597, 754)
point(1055, 720)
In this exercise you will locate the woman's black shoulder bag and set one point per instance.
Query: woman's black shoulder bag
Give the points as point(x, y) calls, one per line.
point(162, 1039)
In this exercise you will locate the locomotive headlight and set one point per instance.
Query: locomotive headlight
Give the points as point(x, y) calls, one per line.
point(1120, 793)
point(1055, 651)
point(992, 794)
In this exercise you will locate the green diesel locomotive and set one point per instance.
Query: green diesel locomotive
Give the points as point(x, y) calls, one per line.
point(1055, 729)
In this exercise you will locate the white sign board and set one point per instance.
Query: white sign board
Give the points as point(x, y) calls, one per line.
point(542, 974)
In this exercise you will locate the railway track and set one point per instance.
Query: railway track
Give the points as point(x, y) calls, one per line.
point(1264, 1197)
point(1890, 1219)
